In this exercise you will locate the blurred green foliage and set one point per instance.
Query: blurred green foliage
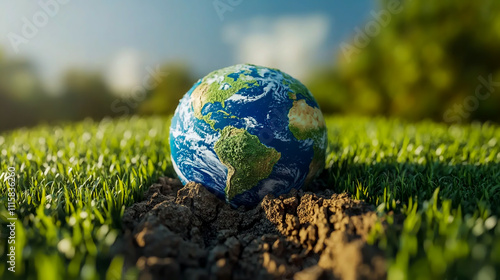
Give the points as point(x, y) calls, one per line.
point(424, 60)
point(25, 102)
point(165, 97)
point(84, 94)
point(409, 59)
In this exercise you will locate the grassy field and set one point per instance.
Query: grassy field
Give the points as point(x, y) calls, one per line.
point(74, 182)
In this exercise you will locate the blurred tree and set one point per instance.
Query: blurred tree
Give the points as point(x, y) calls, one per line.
point(167, 92)
point(20, 94)
point(85, 94)
point(24, 102)
point(429, 59)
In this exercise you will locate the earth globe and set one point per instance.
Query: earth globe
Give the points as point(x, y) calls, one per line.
point(246, 131)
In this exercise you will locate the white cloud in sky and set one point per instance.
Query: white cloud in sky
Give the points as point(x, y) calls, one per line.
point(289, 43)
point(125, 71)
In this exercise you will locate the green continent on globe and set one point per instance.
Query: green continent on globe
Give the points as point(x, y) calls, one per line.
point(296, 87)
point(217, 87)
point(247, 159)
point(306, 122)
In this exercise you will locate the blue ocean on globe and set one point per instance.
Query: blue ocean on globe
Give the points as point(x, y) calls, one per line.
point(246, 131)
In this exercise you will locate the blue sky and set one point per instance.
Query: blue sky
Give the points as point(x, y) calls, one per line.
point(111, 35)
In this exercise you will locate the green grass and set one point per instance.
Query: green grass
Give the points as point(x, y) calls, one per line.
point(445, 181)
point(74, 182)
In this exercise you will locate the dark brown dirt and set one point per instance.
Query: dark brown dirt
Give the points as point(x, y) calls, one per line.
point(187, 233)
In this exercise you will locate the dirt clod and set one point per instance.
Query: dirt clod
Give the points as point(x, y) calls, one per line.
point(187, 233)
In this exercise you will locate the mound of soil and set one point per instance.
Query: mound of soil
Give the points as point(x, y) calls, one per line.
point(187, 233)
